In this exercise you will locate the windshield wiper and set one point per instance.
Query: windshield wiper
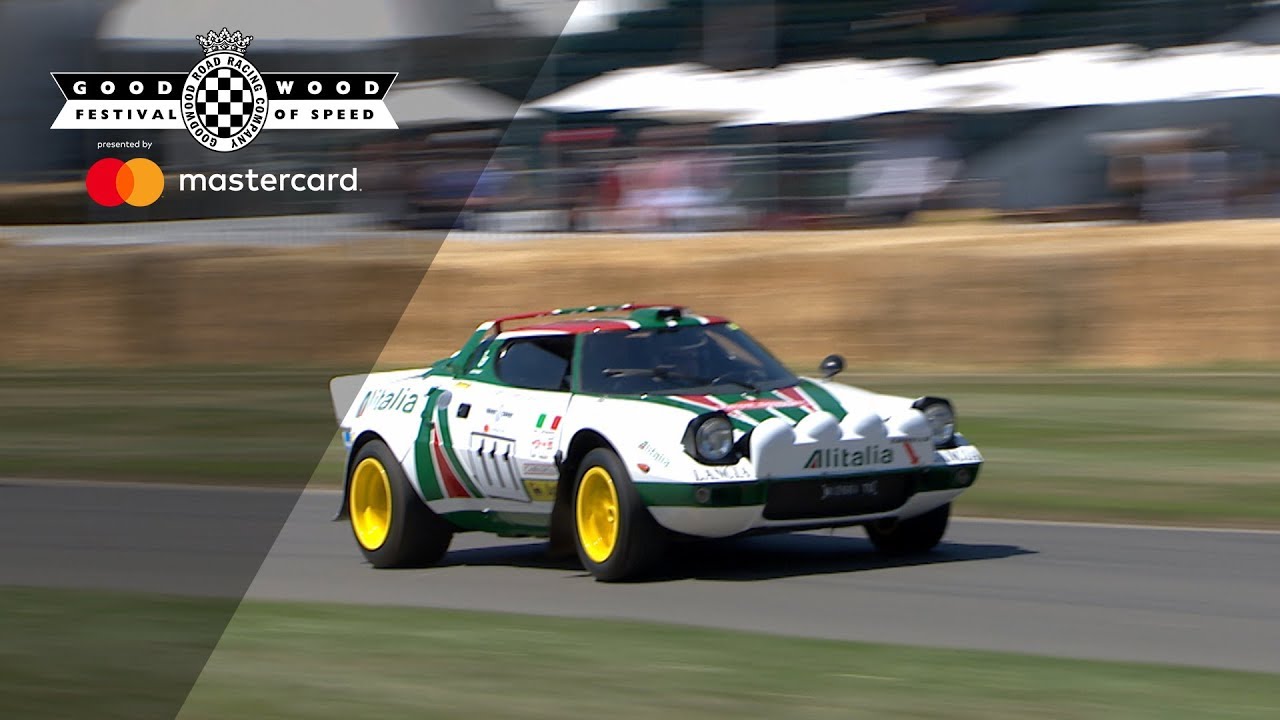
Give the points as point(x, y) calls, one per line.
point(628, 372)
point(750, 386)
point(662, 372)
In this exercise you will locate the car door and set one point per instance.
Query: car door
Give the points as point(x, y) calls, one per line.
point(512, 430)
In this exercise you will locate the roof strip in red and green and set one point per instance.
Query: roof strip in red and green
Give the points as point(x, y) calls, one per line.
point(498, 322)
point(638, 317)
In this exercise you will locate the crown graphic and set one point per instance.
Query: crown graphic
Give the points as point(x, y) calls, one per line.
point(224, 41)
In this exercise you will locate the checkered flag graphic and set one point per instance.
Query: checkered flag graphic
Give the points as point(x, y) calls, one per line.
point(225, 103)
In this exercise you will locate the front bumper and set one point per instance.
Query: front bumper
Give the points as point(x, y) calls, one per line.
point(722, 509)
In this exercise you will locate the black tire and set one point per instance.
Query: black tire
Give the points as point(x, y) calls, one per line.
point(415, 536)
point(915, 535)
point(640, 541)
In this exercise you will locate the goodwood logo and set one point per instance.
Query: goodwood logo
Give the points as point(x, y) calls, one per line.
point(224, 100)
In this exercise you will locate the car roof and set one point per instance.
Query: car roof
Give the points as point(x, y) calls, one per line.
point(612, 318)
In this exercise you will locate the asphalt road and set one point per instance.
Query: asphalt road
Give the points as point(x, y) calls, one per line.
point(1195, 597)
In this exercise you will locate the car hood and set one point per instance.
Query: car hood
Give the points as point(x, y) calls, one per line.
point(792, 403)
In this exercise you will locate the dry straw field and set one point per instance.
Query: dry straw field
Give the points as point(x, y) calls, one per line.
point(953, 296)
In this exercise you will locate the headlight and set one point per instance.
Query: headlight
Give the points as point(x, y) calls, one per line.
point(941, 417)
point(709, 438)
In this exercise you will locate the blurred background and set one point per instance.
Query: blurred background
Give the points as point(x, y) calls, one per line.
point(742, 127)
point(622, 115)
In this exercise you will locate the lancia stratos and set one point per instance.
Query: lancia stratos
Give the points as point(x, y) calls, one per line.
point(615, 430)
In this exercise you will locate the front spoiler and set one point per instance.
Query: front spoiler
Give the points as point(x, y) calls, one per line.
point(721, 522)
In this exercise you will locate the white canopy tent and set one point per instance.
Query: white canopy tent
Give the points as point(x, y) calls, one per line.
point(1112, 74)
point(850, 89)
point(819, 92)
point(633, 89)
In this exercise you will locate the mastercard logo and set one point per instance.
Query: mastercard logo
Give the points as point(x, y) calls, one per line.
point(111, 182)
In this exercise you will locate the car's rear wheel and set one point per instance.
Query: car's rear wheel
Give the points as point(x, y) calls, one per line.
point(391, 524)
point(617, 538)
point(919, 534)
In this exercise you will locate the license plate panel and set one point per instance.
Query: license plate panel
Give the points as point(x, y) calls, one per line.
point(837, 496)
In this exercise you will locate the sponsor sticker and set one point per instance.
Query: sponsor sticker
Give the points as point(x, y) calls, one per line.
point(401, 400)
point(654, 454)
point(963, 455)
point(724, 472)
point(497, 418)
point(538, 470)
point(868, 456)
point(542, 448)
point(541, 490)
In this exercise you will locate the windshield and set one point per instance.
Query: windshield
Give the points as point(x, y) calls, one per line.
point(702, 359)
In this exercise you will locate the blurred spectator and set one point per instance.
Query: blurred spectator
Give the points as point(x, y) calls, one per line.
point(1185, 175)
point(1212, 177)
point(502, 185)
point(905, 166)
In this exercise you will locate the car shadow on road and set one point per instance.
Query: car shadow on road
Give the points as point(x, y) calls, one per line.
point(752, 558)
point(794, 555)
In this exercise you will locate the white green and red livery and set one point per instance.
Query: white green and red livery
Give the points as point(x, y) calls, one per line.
point(615, 429)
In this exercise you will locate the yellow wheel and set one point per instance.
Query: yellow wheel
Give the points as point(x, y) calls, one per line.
point(597, 512)
point(391, 524)
point(370, 503)
point(617, 537)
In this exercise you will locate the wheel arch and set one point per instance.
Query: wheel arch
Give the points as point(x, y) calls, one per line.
point(584, 441)
point(360, 441)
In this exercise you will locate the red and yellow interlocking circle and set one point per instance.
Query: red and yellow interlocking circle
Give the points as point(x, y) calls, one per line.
point(138, 182)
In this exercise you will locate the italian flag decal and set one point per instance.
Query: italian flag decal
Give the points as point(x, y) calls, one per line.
point(543, 425)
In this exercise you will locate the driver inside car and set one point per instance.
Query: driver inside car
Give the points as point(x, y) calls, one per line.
point(685, 355)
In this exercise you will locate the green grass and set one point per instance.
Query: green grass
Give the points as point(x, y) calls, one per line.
point(236, 425)
point(109, 656)
point(1127, 446)
point(321, 661)
point(112, 656)
point(1170, 446)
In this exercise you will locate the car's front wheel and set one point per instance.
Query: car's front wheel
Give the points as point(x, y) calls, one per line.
point(391, 524)
point(617, 538)
point(914, 535)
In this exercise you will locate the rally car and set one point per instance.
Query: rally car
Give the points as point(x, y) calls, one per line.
point(616, 429)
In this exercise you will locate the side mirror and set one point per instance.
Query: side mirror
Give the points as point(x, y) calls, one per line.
point(831, 365)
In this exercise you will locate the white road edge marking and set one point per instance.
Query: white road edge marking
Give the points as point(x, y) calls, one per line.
point(142, 484)
point(866, 677)
point(1113, 526)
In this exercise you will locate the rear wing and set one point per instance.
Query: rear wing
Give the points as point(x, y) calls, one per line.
point(344, 391)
